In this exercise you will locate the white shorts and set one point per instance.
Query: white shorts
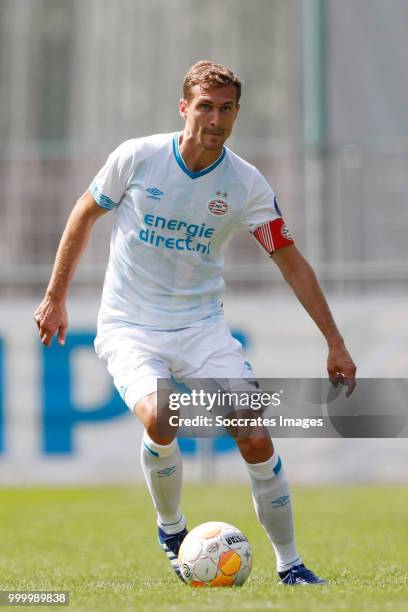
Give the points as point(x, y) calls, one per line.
point(136, 357)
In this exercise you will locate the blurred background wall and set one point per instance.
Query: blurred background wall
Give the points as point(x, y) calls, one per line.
point(324, 117)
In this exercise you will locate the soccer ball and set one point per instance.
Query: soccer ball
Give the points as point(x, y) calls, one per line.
point(215, 554)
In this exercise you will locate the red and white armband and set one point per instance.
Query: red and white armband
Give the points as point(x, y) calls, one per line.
point(273, 235)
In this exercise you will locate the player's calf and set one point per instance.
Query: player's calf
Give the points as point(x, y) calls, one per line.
point(163, 470)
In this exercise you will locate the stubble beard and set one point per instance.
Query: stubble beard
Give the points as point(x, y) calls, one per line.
point(217, 146)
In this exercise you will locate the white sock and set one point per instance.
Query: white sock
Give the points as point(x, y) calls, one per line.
point(270, 492)
point(163, 470)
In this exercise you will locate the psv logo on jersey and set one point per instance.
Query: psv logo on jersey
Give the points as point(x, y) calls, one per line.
point(217, 207)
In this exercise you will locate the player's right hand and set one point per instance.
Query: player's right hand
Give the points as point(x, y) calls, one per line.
point(51, 317)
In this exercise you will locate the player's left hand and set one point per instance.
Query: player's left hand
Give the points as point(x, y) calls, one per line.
point(341, 367)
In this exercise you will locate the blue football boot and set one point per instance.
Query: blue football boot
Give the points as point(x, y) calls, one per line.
point(299, 574)
point(170, 543)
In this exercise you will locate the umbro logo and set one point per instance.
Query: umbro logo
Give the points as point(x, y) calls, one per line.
point(155, 193)
point(281, 501)
point(166, 471)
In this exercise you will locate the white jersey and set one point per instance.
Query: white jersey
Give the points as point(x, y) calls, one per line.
point(171, 230)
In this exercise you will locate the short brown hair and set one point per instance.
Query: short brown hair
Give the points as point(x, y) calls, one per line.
point(209, 74)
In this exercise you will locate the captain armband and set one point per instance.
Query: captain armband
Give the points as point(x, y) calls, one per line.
point(273, 235)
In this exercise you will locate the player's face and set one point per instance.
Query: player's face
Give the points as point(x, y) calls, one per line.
point(210, 114)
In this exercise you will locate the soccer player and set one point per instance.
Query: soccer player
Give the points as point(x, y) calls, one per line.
point(178, 198)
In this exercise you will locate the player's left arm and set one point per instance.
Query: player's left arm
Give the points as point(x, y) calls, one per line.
point(300, 276)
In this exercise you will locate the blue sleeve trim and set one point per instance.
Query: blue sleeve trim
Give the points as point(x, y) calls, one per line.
point(101, 199)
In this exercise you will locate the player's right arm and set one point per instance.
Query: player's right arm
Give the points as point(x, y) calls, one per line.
point(51, 314)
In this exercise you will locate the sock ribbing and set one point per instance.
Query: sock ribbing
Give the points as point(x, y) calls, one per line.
point(158, 450)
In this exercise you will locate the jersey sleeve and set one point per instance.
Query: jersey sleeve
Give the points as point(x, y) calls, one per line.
point(112, 180)
point(263, 217)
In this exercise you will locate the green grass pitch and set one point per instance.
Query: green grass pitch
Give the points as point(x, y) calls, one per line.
point(100, 544)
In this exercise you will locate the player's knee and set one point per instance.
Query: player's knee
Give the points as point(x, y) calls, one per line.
point(147, 411)
point(255, 449)
point(157, 434)
point(150, 425)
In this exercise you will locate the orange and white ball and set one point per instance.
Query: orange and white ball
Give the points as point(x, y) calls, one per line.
point(215, 554)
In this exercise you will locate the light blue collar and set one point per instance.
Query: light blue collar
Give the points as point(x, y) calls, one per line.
point(180, 160)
